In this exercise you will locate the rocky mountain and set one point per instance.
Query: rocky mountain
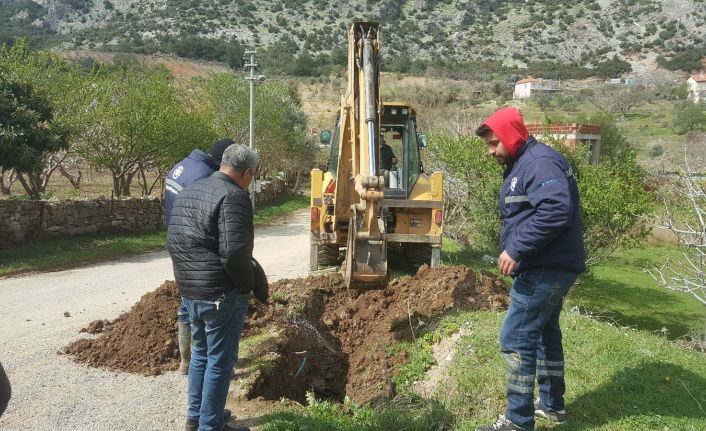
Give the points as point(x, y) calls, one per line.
point(584, 33)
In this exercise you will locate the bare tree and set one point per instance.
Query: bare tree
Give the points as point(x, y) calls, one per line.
point(72, 169)
point(687, 273)
point(35, 183)
point(619, 98)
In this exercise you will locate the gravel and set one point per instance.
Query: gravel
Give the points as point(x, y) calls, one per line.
point(50, 392)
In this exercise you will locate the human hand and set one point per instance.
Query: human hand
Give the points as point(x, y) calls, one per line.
point(506, 264)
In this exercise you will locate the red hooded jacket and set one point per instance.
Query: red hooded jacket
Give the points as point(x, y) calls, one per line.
point(508, 125)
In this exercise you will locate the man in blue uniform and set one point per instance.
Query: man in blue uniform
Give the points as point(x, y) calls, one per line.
point(542, 249)
point(195, 166)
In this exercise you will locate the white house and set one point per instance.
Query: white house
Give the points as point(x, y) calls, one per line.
point(697, 88)
point(529, 87)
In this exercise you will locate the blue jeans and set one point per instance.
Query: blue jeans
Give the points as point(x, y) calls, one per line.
point(215, 333)
point(183, 313)
point(530, 340)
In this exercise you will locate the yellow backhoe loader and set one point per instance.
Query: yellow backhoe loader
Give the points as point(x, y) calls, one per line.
point(374, 193)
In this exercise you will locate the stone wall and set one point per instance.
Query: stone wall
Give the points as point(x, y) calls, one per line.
point(21, 221)
point(269, 190)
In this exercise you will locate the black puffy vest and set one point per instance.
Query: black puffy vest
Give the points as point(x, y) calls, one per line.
point(210, 238)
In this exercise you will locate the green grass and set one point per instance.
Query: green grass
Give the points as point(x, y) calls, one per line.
point(454, 253)
point(619, 290)
point(286, 204)
point(60, 253)
point(618, 379)
point(401, 414)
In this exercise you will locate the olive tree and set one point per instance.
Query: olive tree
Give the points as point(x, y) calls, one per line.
point(140, 122)
point(62, 86)
point(472, 183)
point(280, 123)
point(619, 98)
point(28, 132)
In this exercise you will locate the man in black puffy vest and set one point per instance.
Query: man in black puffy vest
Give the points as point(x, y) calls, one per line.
point(210, 241)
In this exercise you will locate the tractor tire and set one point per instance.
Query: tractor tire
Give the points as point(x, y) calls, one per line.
point(418, 254)
point(328, 255)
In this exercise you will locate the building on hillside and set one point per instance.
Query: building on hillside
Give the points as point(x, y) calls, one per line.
point(572, 134)
point(697, 88)
point(623, 81)
point(530, 86)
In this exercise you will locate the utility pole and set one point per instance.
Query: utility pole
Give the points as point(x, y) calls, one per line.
point(252, 78)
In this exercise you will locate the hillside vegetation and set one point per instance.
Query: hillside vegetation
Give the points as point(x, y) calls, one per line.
point(441, 35)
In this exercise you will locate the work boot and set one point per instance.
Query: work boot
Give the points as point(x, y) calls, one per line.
point(184, 347)
point(558, 416)
point(193, 424)
point(502, 424)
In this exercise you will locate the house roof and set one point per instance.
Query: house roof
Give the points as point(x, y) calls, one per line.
point(563, 128)
point(699, 78)
point(526, 80)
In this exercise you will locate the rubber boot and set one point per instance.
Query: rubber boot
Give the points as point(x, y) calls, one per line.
point(184, 347)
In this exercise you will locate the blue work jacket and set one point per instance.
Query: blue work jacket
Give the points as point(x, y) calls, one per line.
point(539, 206)
point(195, 166)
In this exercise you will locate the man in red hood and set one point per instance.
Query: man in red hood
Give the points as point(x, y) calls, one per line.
point(542, 248)
point(505, 133)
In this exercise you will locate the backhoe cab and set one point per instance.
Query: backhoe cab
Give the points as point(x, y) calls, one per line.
point(370, 199)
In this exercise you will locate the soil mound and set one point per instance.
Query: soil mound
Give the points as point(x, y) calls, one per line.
point(333, 340)
point(315, 334)
point(142, 341)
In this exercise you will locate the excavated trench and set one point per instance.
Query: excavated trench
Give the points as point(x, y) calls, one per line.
point(315, 335)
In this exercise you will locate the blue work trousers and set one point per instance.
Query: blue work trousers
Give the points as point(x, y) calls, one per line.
point(530, 340)
point(216, 326)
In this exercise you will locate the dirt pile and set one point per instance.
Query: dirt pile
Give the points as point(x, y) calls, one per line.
point(314, 335)
point(143, 340)
point(333, 340)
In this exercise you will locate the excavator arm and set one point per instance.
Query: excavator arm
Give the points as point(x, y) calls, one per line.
point(352, 207)
point(358, 182)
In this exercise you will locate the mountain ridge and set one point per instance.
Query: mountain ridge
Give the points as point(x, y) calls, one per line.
point(513, 34)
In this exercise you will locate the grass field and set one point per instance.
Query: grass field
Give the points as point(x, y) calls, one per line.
point(60, 253)
point(618, 379)
point(622, 292)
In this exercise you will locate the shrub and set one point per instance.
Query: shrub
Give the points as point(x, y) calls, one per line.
point(687, 117)
point(613, 195)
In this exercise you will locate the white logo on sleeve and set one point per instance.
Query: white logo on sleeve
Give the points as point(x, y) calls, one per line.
point(513, 183)
point(178, 171)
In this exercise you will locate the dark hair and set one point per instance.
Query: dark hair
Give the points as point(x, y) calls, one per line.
point(483, 130)
point(216, 150)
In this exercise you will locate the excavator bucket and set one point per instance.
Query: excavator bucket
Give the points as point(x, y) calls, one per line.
point(366, 258)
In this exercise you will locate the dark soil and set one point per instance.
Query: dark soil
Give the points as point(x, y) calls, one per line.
point(343, 333)
point(329, 339)
point(142, 341)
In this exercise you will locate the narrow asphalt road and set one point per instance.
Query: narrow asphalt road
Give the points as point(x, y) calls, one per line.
point(50, 392)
